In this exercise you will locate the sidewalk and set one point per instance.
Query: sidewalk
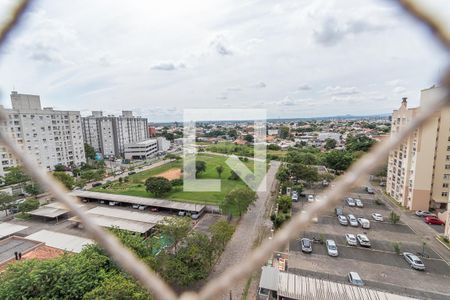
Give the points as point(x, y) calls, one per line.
point(427, 233)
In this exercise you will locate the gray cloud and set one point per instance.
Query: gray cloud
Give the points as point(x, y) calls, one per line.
point(167, 66)
point(219, 45)
point(260, 85)
point(340, 91)
point(304, 87)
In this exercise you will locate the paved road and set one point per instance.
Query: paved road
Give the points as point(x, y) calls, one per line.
point(242, 242)
point(426, 232)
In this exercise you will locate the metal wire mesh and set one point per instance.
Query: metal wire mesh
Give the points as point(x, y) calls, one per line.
point(354, 176)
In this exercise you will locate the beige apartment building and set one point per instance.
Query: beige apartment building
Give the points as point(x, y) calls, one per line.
point(419, 169)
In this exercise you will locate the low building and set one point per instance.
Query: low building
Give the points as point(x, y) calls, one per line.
point(275, 284)
point(141, 150)
point(163, 144)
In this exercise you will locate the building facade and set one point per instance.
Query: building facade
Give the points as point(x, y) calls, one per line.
point(52, 137)
point(108, 135)
point(141, 150)
point(419, 169)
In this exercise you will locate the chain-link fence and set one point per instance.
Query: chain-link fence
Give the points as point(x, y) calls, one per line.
point(353, 177)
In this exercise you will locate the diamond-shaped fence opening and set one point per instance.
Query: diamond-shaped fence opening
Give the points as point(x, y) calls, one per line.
point(216, 287)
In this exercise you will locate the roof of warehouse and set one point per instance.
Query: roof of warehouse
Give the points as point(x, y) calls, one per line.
point(7, 229)
point(301, 287)
point(66, 242)
point(162, 203)
point(124, 219)
point(52, 210)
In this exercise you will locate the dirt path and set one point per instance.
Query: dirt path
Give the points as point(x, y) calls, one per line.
point(241, 244)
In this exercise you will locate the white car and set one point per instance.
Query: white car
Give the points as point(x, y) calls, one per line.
point(351, 239)
point(342, 220)
point(351, 202)
point(142, 207)
point(363, 240)
point(377, 217)
point(332, 248)
point(414, 261)
point(295, 197)
point(310, 198)
point(135, 206)
point(355, 279)
point(359, 203)
point(364, 223)
point(352, 220)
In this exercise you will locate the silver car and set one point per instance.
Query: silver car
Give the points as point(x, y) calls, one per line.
point(342, 220)
point(364, 223)
point(363, 240)
point(306, 245)
point(377, 217)
point(355, 279)
point(351, 239)
point(351, 202)
point(359, 203)
point(353, 221)
point(414, 261)
point(332, 248)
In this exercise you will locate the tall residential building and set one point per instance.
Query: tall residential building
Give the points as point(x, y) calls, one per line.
point(52, 137)
point(108, 135)
point(419, 169)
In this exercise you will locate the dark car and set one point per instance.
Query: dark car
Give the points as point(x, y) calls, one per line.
point(433, 220)
point(306, 245)
point(95, 184)
point(339, 211)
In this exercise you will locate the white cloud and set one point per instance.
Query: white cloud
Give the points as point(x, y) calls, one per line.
point(399, 90)
point(167, 66)
point(339, 90)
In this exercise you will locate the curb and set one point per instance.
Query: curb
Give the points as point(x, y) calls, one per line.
point(443, 244)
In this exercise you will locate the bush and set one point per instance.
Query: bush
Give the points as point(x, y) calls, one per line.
point(396, 246)
point(394, 218)
point(176, 182)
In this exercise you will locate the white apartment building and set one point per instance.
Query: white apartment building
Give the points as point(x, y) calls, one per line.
point(142, 149)
point(52, 137)
point(419, 169)
point(108, 135)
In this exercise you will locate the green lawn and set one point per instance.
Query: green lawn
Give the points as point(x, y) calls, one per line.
point(136, 187)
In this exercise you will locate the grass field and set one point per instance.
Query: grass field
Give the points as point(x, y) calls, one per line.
point(136, 183)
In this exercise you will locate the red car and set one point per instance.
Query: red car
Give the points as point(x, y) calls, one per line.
point(433, 220)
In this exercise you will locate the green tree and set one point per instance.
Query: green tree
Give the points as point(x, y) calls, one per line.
point(15, 175)
point(283, 174)
point(338, 159)
point(234, 175)
point(249, 138)
point(305, 173)
point(28, 205)
point(284, 203)
point(359, 142)
point(284, 132)
point(67, 180)
point(239, 198)
point(59, 168)
point(330, 144)
point(221, 233)
point(200, 166)
point(175, 229)
point(158, 186)
point(33, 189)
point(89, 151)
point(394, 218)
point(6, 201)
point(118, 287)
point(219, 170)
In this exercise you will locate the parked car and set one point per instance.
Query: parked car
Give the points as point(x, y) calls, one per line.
point(112, 203)
point(351, 202)
point(369, 190)
point(96, 184)
point(306, 245)
point(433, 220)
point(351, 239)
point(377, 217)
point(332, 248)
point(423, 213)
point(181, 213)
point(13, 210)
point(363, 240)
point(352, 220)
point(382, 183)
point(131, 173)
point(359, 203)
point(355, 279)
point(342, 220)
point(339, 211)
point(310, 198)
point(154, 209)
point(364, 223)
point(414, 261)
point(142, 207)
point(295, 197)
point(135, 206)
point(195, 216)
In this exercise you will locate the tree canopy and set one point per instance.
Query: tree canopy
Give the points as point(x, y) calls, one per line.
point(158, 186)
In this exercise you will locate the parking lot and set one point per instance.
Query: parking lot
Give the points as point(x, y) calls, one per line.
point(380, 266)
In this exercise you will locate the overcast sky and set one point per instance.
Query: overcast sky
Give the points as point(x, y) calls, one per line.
point(295, 58)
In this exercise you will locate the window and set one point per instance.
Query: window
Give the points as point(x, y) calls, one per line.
point(444, 194)
point(447, 167)
point(446, 176)
point(445, 185)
